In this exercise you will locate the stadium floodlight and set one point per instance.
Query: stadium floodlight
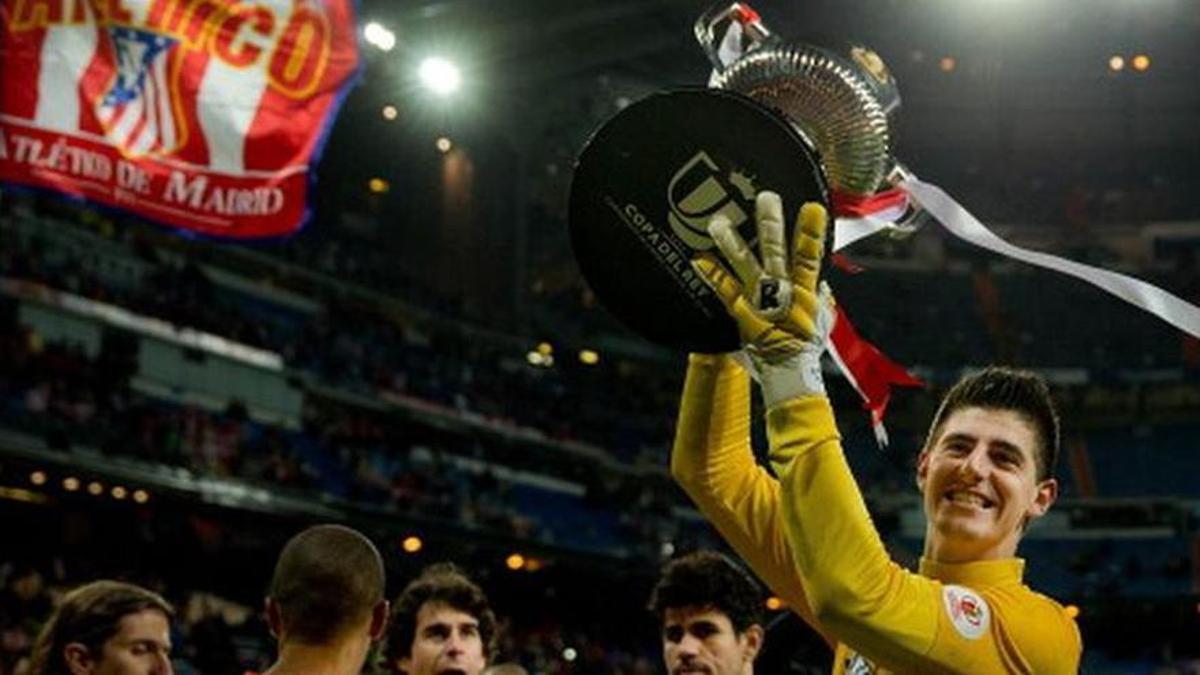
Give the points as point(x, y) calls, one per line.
point(440, 76)
point(379, 36)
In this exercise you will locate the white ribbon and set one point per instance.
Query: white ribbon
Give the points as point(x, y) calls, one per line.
point(848, 230)
point(965, 226)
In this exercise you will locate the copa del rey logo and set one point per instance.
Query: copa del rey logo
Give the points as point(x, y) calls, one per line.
point(969, 613)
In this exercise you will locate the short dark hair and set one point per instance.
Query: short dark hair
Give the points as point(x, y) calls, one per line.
point(709, 579)
point(998, 388)
point(439, 583)
point(90, 615)
point(327, 579)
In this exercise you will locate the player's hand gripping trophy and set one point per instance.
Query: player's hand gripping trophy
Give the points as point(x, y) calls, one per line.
point(783, 313)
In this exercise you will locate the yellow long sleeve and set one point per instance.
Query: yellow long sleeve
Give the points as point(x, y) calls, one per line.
point(981, 621)
point(713, 462)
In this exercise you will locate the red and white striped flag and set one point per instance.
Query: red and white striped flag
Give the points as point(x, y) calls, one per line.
point(203, 114)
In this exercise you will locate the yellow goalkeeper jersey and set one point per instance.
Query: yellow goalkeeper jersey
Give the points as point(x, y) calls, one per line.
point(809, 537)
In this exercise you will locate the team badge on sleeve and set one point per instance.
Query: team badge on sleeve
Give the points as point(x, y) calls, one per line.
point(969, 612)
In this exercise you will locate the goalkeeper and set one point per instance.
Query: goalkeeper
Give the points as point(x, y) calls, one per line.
point(985, 472)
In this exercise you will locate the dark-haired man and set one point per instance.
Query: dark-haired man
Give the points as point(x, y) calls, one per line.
point(326, 606)
point(985, 472)
point(442, 624)
point(106, 628)
point(711, 616)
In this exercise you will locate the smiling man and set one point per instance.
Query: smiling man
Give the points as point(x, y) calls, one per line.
point(711, 615)
point(985, 471)
point(442, 624)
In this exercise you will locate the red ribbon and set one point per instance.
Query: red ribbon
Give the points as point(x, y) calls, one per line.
point(856, 206)
point(870, 371)
point(745, 14)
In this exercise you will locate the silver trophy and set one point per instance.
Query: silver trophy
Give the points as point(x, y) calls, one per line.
point(839, 102)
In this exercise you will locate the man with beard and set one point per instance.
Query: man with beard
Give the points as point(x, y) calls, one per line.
point(711, 616)
point(106, 628)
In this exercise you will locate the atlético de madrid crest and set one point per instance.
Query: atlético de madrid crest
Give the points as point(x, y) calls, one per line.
point(139, 109)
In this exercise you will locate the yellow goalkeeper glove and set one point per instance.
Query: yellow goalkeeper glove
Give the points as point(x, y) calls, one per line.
point(783, 315)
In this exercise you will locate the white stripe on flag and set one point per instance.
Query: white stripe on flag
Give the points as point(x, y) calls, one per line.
point(142, 136)
point(130, 116)
point(229, 98)
point(153, 134)
point(138, 10)
point(162, 102)
point(228, 102)
point(67, 52)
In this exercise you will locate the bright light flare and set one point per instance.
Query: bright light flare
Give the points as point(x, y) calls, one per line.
point(382, 38)
point(444, 144)
point(440, 76)
point(1116, 63)
point(412, 544)
point(1140, 63)
point(390, 112)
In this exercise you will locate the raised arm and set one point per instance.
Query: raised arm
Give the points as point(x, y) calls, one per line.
point(713, 462)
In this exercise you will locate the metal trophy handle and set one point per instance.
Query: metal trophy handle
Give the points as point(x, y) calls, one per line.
point(713, 30)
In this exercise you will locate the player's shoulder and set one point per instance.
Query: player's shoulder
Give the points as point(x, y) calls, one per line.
point(1040, 628)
